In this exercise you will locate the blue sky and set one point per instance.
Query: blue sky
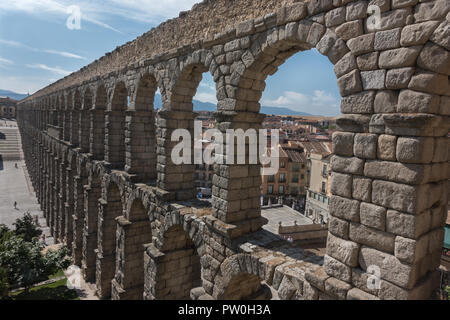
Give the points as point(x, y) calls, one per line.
point(37, 48)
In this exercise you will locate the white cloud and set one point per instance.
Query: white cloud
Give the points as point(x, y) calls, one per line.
point(208, 86)
point(65, 54)
point(11, 43)
point(320, 102)
point(4, 61)
point(56, 52)
point(97, 12)
point(206, 97)
point(23, 84)
point(56, 70)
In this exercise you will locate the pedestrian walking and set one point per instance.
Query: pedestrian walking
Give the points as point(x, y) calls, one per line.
point(15, 204)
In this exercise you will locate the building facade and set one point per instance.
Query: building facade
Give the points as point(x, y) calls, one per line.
point(7, 108)
point(319, 175)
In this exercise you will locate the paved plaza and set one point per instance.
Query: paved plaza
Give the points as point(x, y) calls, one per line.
point(15, 185)
point(286, 215)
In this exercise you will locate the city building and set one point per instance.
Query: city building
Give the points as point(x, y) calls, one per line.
point(291, 180)
point(7, 108)
point(319, 176)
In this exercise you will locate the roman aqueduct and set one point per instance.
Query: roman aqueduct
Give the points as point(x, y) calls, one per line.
point(102, 171)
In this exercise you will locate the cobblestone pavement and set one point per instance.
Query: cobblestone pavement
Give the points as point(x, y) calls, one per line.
point(15, 185)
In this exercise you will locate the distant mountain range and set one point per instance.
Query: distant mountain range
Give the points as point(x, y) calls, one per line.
point(12, 95)
point(198, 105)
point(207, 106)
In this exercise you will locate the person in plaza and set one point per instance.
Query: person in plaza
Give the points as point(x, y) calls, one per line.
point(15, 204)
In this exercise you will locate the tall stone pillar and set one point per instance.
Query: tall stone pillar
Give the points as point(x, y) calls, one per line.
point(66, 125)
point(74, 127)
point(69, 206)
point(92, 194)
point(78, 220)
point(128, 283)
point(56, 197)
point(97, 134)
point(62, 201)
point(389, 204)
point(140, 144)
point(175, 178)
point(106, 252)
point(115, 138)
point(84, 120)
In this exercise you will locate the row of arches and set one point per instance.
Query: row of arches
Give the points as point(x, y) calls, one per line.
point(377, 86)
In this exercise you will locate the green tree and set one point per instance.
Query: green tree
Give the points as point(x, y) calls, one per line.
point(26, 228)
point(4, 285)
point(4, 232)
point(59, 259)
point(25, 265)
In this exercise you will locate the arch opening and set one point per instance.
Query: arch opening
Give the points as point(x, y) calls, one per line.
point(179, 269)
point(97, 138)
point(140, 140)
point(133, 233)
point(85, 121)
point(109, 210)
point(178, 112)
point(115, 127)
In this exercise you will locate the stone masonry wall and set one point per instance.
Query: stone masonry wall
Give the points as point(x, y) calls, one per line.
point(390, 165)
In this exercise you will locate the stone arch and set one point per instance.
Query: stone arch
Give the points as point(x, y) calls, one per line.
point(75, 118)
point(55, 108)
point(133, 235)
point(97, 123)
point(238, 280)
point(185, 84)
point(92, 190)
point(85, 120)
point(177, 268)
point(73, 209)
point(273, 47)
point(60, 111)
point(146, 88)
point(115, 126)
point(67, 115)
point(140, 144)
point(177, 112)
point(110, 207)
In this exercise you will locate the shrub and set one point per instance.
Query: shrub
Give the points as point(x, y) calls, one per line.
point(26, 228)
point(25, 265)
point(4, 285)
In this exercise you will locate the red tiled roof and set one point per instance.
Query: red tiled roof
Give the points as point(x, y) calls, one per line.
point(323, 148)
point(296, 155)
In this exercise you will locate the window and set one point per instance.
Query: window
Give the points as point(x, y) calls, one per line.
point(282, 177)
point(294, 191)
point(324, 187)
point(303, 177)
point(295, 178)
point(295, 167)
point(324, 170)
point(269, 189)
point(271, 178)
point(282, 164)
point(303, 166)
point(281, 189)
